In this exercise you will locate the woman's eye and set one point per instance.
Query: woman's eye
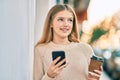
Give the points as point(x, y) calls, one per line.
point(70, 20)
point(60, 19)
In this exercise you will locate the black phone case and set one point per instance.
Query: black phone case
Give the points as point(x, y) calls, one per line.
point(56, 54)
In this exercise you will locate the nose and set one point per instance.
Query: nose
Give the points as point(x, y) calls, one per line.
point(66, 23)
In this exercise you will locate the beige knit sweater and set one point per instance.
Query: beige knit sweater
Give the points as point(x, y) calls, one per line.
point(77, 54)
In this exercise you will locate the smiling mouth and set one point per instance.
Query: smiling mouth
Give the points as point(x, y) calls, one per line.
point(64, 29)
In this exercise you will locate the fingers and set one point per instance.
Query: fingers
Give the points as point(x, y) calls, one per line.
point(97, 72)
point(63, 66)
point(94, 75)
point(60, 63)
point(56, 60)
point(101, 68)
point(55, 69)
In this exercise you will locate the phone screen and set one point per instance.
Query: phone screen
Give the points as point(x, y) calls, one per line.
point(56, 54)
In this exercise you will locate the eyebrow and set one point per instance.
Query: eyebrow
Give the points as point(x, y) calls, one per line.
point(65, 17)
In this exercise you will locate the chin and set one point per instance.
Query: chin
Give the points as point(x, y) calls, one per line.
point(64, 36)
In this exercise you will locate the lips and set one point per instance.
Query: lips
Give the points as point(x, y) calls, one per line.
point(64, 29)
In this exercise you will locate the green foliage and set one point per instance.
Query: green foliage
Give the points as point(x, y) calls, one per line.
point(97, 33)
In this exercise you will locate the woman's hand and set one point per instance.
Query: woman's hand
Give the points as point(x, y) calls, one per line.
point(55, 69)
point(95, 75)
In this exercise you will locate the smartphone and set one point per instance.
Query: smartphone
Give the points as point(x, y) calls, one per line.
point(95, 63)
point(56, 54)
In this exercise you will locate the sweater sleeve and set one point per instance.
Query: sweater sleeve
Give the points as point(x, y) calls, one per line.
point(87, 50)
point(38, 69)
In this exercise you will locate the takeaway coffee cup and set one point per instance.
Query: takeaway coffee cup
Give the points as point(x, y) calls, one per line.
point(95, 63)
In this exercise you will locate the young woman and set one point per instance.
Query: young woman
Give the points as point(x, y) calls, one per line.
point(61, 33)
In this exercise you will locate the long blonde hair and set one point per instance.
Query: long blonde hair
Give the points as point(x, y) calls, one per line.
point(47, 35)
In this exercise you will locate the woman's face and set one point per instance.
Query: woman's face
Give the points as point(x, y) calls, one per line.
point(62, 24)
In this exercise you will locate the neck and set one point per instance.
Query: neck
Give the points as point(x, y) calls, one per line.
point(61, 41)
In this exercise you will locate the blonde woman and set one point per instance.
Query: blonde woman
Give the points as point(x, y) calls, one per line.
point(61, 33)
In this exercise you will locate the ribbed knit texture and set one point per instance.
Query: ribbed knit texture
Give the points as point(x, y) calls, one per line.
point(77, 55)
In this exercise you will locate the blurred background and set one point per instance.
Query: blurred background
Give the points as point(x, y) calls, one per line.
point(21, 23)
